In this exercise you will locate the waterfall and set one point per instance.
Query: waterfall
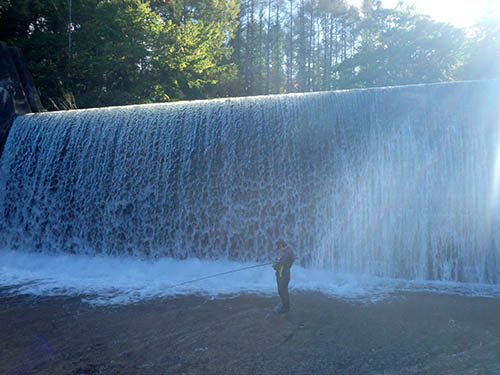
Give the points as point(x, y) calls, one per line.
point(396, 182)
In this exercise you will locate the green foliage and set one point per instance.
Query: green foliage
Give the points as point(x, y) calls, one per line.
point(407, 48)
point(38, 27)
point(115, 52)
point(191, 52)
point(482, 52)
point(111, 55)
point(122, 51)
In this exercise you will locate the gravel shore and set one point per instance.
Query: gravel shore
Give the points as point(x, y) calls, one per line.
point(409, 333)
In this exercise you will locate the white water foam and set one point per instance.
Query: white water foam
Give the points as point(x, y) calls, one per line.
point(396, 182)
point(107, 280)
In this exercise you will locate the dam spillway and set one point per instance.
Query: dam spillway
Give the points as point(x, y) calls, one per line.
point(396, 182)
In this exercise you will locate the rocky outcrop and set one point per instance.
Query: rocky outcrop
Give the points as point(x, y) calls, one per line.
point(18, 94)
point(26, 81)
point(7, 115)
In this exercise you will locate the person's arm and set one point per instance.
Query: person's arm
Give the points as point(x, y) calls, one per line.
point(277, 263)
point(291, 259)
point(287, 259)
point(284, 261)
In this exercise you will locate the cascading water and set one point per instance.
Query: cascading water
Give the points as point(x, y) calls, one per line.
point(397, 182)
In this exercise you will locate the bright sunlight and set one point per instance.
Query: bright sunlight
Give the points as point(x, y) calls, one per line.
point(458, 13)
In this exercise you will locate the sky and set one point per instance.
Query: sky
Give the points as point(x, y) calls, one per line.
point(458, 13)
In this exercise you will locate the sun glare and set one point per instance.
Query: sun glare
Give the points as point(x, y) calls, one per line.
point(458, 13)
point(494, 193)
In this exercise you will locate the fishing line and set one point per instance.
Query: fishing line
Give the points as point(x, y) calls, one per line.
point(220, 274)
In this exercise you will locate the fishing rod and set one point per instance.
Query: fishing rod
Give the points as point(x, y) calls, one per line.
point(220, 274)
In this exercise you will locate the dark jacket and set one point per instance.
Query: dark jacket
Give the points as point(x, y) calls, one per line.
point(284, 263)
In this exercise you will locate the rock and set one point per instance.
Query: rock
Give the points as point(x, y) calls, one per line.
point(26, 80)
point(10, 80)
point(7, 115)
point(18, 94)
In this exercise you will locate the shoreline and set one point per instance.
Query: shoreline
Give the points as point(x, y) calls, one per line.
point(408, 333)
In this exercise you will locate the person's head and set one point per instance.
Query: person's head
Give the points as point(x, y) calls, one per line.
point(281, 245)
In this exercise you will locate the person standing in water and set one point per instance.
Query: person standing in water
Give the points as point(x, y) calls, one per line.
point(282, 267)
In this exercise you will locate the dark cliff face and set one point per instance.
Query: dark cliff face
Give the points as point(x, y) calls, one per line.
point(32, 100)
point(18, 94)
point(7, 115)
point(17, 80)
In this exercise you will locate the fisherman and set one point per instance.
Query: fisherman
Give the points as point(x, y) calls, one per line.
point(282, 267)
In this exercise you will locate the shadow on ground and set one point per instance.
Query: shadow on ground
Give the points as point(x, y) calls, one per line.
point(411, 333)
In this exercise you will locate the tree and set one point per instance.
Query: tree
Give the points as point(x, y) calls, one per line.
point(111, 61)
point(40, 29)
point(277, 52)
point(105, 52)
point(123, 51)
point(482, 59)
point(407, 48)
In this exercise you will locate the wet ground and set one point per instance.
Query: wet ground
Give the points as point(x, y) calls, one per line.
point(412, 333)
